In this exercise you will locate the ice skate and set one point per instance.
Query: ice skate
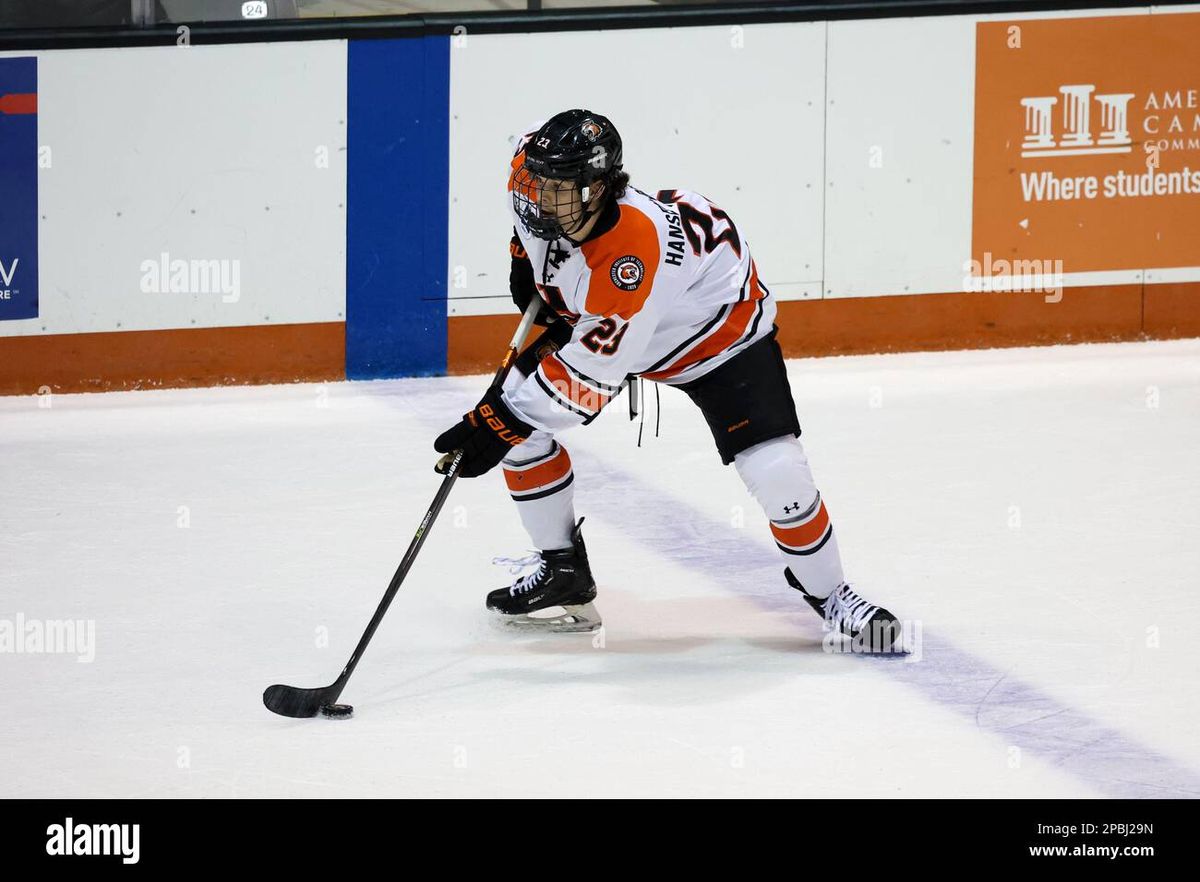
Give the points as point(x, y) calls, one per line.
point(556, 597)
point(870, 628)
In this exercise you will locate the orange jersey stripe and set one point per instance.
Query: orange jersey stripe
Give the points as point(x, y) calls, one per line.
point(733, 328)
point(803, 534)
point(555, 371)
point(634, 236)
point(756, 291)
point(539, 475)
point(731, 331)
point(570, 388)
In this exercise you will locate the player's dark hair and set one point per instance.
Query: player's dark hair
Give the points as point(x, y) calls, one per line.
point(617, 183)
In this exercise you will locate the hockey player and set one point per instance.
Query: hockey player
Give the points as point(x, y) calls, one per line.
point(656, 286)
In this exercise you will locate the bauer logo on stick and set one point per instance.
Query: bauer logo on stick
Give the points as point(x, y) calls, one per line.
point(627, 272)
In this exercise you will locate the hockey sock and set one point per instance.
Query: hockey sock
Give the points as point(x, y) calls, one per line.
point(778, 476)
point(540, 479)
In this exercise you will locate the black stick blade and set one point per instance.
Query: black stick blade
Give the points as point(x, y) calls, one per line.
point(290, 701)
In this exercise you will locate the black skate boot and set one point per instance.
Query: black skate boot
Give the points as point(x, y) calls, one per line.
point(562, 579)
point(870, 628)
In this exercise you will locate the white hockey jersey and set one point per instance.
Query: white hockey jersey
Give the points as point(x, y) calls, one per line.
point(669, 292)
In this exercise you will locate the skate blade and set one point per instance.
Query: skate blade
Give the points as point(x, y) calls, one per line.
point(572, 620)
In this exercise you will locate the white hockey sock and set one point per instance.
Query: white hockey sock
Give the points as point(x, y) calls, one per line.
point(540, 479)
point(778, 476)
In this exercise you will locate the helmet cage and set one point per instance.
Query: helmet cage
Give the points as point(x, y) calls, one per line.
point(575, 147)
point(549, 206)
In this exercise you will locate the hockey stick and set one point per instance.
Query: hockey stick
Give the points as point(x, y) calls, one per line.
point(292, 701)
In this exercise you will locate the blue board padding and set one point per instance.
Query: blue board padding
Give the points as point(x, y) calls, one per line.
point(398, 180)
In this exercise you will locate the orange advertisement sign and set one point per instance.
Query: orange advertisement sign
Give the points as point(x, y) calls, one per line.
point(1087, 142)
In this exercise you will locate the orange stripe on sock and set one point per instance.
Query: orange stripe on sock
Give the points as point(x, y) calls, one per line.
point(540, 475)
point(804, 534)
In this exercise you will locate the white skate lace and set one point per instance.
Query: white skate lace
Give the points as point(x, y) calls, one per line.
point(516, 564)
point(846, 611)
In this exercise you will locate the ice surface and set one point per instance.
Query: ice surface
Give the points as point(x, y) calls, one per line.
point(1037, 511)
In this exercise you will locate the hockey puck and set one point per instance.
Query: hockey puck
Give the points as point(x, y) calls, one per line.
point(337, 711)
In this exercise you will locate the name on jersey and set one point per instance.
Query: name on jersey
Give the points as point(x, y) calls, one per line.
point(675, 238)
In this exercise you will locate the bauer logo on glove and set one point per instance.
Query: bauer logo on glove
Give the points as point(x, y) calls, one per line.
point(497, 425)
point(485, 435)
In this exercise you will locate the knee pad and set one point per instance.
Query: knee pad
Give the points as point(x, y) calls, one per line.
point(778, 476)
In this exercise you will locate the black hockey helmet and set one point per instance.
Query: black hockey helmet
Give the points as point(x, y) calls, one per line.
point(573, 147)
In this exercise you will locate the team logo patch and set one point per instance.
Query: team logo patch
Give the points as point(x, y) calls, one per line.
point(627, 272)
point(591, 129)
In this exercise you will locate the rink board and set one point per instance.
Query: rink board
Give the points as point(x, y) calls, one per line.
point(213, 214)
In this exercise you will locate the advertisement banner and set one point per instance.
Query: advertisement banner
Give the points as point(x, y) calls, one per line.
point(19, 186)
point(1087, 144)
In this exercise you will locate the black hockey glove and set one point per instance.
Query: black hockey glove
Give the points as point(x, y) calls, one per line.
point(485, 435)
point(520, 282)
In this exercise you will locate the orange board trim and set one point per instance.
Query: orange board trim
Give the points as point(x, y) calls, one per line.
point(922, 322)
point(125, 360)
